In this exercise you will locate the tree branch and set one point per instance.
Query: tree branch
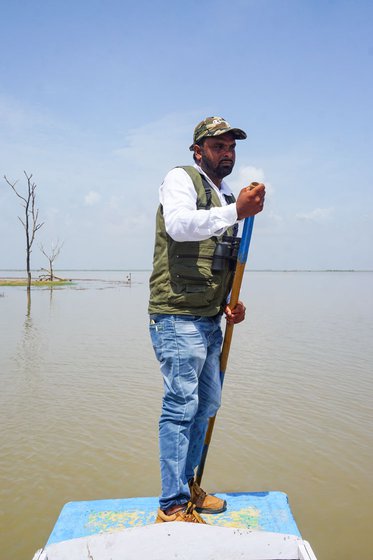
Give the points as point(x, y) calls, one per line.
point(13, 186)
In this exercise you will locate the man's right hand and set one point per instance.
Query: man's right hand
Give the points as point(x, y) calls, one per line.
point(250, 201)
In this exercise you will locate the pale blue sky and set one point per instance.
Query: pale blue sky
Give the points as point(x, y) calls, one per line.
point(98, 99)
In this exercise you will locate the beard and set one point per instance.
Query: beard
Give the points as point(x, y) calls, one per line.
point(220, 170)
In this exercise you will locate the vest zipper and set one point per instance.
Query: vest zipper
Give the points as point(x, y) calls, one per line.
point(201, 281)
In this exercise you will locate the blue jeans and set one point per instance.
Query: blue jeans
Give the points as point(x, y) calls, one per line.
point(188, 350)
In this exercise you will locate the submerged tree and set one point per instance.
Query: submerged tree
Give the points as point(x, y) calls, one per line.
point(51, 256)
point(30, 221)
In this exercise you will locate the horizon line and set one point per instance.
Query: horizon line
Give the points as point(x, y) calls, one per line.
point(150, 269)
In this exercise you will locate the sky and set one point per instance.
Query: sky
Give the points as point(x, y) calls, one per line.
point(99, 99)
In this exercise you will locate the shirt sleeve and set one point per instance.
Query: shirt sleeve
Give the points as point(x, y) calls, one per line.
point(183, 221)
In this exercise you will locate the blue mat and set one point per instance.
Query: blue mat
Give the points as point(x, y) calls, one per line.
point(262, 511)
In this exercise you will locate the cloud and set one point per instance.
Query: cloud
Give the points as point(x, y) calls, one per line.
point(92, 198)
point(318, 215)
point(246, 174)
point(251, 173)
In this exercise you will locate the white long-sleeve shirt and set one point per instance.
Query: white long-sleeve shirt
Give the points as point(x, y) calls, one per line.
point(183, 221)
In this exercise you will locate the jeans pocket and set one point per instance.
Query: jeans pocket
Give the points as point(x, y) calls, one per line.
point(155, 330)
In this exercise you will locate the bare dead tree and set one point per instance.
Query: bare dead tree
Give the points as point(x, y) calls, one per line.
point(51, 256)
point(30, 221)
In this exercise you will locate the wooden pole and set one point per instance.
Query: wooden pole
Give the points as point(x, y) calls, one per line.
point(236, 287)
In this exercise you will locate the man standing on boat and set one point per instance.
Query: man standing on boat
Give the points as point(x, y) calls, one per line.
point(193, 267)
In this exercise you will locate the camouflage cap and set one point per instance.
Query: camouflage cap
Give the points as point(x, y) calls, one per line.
point(213, 126)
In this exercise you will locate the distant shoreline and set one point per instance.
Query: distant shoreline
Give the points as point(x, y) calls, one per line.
point(34, 282)
point(19, 270)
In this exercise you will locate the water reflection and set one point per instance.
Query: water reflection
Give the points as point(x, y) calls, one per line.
point(28, 356)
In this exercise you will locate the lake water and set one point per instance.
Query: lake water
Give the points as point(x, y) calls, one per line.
point(81, 395)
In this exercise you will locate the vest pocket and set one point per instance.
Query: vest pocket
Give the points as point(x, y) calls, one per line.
point(194, 289)
point(190, 291)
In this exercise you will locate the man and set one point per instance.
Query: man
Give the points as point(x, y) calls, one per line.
point(192, 274)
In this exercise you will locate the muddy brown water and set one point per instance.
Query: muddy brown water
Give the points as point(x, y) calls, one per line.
point(81, 392)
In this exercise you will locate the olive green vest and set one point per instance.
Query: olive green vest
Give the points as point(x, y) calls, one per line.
point(182, 281)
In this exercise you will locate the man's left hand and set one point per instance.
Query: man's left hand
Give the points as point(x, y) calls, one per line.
point(236, 315)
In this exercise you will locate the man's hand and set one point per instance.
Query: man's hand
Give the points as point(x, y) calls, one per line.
point(250, 201)
point(236, 315)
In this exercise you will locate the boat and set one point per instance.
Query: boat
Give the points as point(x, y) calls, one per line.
point(255, 526)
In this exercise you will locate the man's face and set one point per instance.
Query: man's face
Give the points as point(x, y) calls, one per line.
point(217, 155)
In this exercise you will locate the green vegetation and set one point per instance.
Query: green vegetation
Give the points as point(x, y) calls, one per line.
point(38, 283)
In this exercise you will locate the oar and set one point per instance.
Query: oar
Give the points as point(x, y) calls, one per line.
point(236, 287)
